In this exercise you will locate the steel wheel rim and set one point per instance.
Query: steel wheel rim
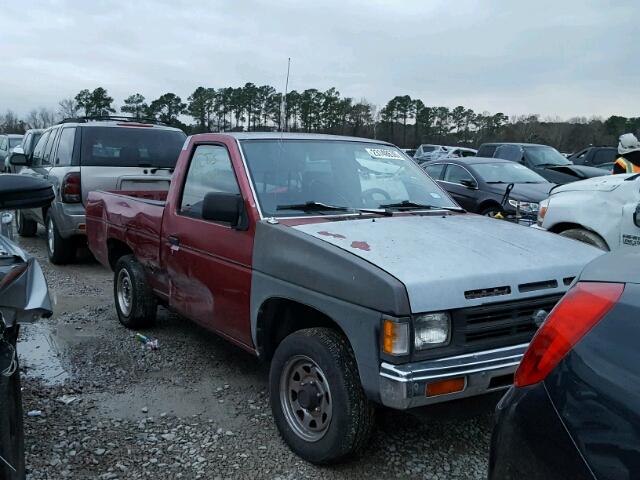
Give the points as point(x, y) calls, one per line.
point(50, 236)
point(124, 293)
point(305, 398)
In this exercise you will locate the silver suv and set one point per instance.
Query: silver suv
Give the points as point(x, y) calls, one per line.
point(81, 155)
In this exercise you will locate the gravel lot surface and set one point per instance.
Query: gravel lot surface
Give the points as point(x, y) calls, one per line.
point(195, 408)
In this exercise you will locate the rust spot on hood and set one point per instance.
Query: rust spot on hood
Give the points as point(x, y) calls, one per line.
point(361, 245)
point(329, 234)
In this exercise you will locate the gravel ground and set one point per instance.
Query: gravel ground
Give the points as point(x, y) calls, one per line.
point(195, 408)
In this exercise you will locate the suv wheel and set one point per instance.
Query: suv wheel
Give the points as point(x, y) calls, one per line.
point(25, 226)
point(135, 303)
point(11, 427)
point(61, 250)
point(317, 400)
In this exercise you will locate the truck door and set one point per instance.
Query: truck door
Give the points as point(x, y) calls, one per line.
point(209, 263)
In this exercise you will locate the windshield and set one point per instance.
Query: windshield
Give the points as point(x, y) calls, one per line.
point(287, 174)
point(543, 156)
point(428, 149)
point(131, 147)
point(506, 172)
point(14, 141)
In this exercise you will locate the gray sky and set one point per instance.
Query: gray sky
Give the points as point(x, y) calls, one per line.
point(557, 58)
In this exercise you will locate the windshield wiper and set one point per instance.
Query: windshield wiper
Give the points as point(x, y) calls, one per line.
point(553, 164)
point(313, 206)
point(408, 205)
point(496, 181)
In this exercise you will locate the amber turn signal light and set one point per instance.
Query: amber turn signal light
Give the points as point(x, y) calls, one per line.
point(444, 387)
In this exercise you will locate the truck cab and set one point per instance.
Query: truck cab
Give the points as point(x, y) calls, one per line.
point(341, 262)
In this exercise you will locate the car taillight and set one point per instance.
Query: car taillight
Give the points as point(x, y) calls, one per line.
point(70, 189)
point(578, 312)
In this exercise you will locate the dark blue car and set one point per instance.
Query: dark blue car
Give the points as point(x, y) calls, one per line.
point(574, 411)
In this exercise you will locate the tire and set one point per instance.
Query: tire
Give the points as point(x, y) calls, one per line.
point(11, 425)
point(60, 250)
point(136, 305)
point(25, 226)
point(586, 236)
point(323, 362)
point(492, 211)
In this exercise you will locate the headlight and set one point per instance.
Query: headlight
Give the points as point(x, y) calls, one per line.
point(431, 330)
point(526, 207)
point(544, 206)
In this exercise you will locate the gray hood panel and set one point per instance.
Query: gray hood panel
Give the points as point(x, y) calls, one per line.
point(439, 258)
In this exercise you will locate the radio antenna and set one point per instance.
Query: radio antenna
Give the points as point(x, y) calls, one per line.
point(283, 114)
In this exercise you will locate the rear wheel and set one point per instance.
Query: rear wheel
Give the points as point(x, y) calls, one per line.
point(11, 426)
point(60, 250)
point(586, 236)
point(25, 226)
point(317, 400)
point(135, 303)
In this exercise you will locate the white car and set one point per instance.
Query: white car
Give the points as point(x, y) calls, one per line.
point(601, 211)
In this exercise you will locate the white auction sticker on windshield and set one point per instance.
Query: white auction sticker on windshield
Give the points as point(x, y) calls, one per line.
point(384, 153)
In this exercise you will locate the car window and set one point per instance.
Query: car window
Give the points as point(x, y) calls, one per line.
point(130, 147)
point(3, 143)
point(455, 174)
point(38, 151)
point(210, 170)
point(508, 152)
point(14, 141)
point(31, 143)
point(47, 157)
point(435, 171)
point(65, 147)
point(604, 156)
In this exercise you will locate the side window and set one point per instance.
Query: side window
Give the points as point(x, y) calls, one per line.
point(455, 174)
point(3, 143)
point(65, 147)
point(509, 152)
point(435, 171)
point(210, 171)
point(604, 156)
point(38, 151)
point(48, 151)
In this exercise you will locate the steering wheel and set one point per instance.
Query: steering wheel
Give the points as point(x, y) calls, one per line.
point(369, 196)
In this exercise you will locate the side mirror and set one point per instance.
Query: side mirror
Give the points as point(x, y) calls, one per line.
point(636, 216)
point(469, 183)
point(23, 191)
point(18, 159)
point(225, 207)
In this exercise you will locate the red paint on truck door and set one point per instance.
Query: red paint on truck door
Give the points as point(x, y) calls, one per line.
point(210, 263)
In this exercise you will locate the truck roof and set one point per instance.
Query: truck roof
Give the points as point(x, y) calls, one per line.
point(289, 136)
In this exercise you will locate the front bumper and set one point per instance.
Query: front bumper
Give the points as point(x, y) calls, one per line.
point(404, 386)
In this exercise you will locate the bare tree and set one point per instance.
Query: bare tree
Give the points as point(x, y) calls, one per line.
point(68, 108)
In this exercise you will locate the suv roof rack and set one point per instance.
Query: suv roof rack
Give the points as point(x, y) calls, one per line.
point(113, 118)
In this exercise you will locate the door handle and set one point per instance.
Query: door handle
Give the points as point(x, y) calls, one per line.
point(173, 241)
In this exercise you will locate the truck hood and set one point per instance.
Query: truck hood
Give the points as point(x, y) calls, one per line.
point(454, 261)
point(607, 183)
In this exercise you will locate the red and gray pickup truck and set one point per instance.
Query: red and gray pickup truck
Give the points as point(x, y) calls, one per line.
point(343, 263)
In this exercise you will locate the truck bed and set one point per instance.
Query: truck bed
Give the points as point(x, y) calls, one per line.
point(133, 219)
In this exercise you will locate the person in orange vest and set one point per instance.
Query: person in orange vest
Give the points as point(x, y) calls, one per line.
point(629, 150)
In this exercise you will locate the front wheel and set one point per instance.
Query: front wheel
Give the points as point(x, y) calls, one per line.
point(317, 400)
point(492, 211)
point(25, 226)
point(586, 236)
point(11, 427)
point(60, 250)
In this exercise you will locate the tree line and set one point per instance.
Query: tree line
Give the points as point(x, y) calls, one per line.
point(404, 121)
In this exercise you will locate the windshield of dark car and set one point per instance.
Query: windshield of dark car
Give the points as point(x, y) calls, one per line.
point(131, 146)
point(506, 172)
point(338, 173)
point(543, 156)
point(428, 149)
point(14, 141)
